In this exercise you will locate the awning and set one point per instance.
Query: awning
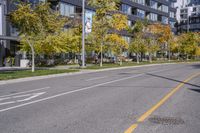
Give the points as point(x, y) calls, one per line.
point(9, 38)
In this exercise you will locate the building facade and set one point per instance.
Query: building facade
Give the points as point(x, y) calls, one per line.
point(188, 16)
point(154, 10)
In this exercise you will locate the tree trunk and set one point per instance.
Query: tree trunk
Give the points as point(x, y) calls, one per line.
point(33, 59)
point(150, 57)
point(138, 61)
point(120, 57)
point(33, 56)
point(169, 58)
point(101, 62)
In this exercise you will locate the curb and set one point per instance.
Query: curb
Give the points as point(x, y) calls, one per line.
point(4, 82)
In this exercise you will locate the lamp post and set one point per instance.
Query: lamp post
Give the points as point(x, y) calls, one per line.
point(83, 33)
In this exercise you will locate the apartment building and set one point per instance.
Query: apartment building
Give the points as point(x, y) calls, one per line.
point(188, 16)
point(154, 10)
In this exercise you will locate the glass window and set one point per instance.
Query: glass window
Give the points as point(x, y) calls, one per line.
point(172, 24)
point(66, 9)
point(153, 17)
point(129, 23)
point(139, 1)
point(171, 14)
point(126, 9)
point(140, 13)
point(172, 4)
point(164, 20)
point(153, 4)
point(165, 8)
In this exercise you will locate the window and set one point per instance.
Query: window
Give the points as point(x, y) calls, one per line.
point(172, 24)
point(172, 4)
point(164, 20)
point(129, 23)
point(153, 17)
point(140, 13)
point(171, 14)
point(139, 1)
point(66, 9)
point(165, 8)
point(126, 9)
point(153, 4)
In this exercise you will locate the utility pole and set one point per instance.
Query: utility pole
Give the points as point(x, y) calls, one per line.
point(83, 33)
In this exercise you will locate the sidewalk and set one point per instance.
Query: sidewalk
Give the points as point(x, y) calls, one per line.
point(29, 68)
point(82, 71)
point(12, 68)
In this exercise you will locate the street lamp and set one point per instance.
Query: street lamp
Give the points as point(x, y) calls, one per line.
point(83, 33)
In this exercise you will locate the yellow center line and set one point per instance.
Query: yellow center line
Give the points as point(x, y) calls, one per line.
point(161, 102)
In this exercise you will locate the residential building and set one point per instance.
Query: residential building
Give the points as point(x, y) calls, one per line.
point(188, 15)
point(162, 11)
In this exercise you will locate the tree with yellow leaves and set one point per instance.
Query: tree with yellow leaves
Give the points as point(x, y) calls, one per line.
point(107, 20)
point(163, 35)
point(41, 29)
point(117, 45)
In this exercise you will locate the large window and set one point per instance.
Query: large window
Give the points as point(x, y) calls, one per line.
point(139, 1)
point(164, 20)
point(165, 8)
point(171, 14)
point(153, 4)
point(126, 9)
point(153, 17)
point(66, 9)
point(172, 4)
point(140, 13)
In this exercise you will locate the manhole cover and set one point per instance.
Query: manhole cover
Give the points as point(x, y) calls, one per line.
point(166, 120)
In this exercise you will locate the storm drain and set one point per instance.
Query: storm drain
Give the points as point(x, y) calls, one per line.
point(166, 120)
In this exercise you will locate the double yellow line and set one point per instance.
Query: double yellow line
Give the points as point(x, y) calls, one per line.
point(156, 106)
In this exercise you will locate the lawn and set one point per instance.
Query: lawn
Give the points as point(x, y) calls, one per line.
point(5, 75)
point(111, 65)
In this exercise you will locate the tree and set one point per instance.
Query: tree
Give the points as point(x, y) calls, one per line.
point(40, 29)
point(117, 45)
point(137, 46)
point(152, 46)
point(138, 42)
point(107, 20)
point(189, 44)
point(163, 34)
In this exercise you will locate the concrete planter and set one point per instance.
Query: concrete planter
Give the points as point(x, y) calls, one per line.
point(24, 63)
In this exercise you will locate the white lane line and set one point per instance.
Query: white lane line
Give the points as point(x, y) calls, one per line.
point(27, 97)
point(25, 92)
point(78, 90)
point(95, 78)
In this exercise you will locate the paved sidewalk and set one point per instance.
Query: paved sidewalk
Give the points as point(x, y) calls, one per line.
point(83, 71)
point(12, 68)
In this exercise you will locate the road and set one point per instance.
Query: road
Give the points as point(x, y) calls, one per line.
point(151, 99)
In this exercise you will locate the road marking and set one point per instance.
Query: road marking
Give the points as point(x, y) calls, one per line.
point(39, 89)
point(95, 78)
point(78, 90)
point(25, 97)
point(161, 102)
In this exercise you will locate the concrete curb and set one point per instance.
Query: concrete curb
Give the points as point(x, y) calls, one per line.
point(4, 82)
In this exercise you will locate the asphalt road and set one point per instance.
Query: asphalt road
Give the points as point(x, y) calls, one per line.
point(153, 99)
